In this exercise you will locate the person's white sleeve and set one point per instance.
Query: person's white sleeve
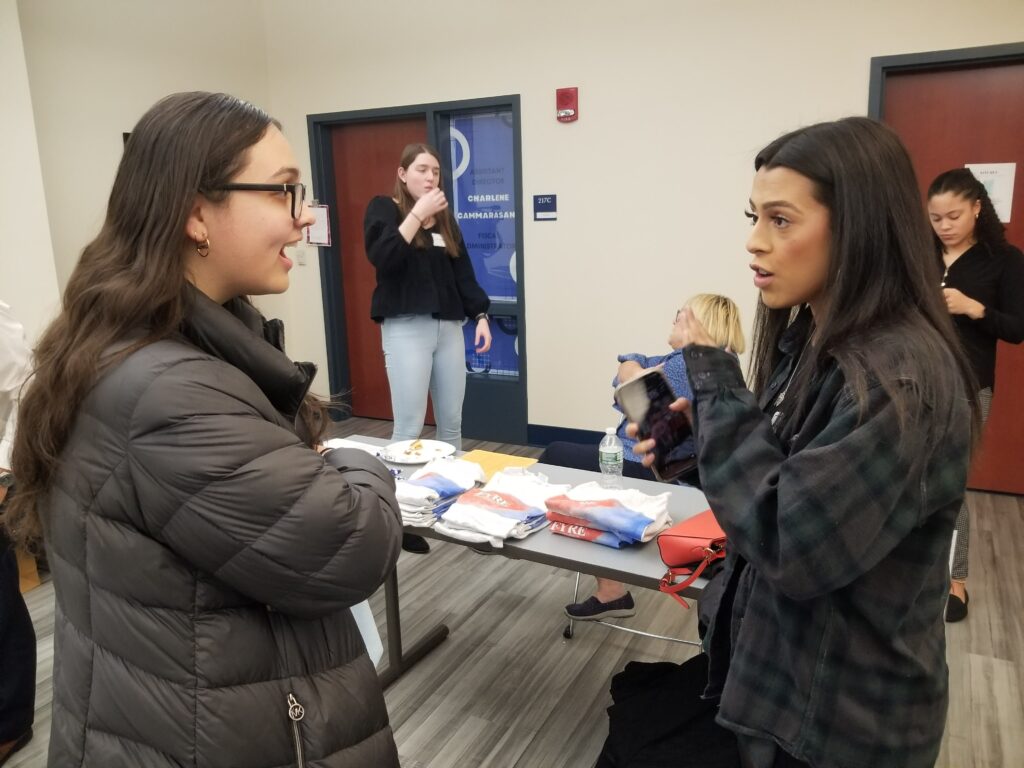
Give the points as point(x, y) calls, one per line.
point(14, 369)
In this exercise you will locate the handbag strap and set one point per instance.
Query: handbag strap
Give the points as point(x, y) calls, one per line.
point(668, 587)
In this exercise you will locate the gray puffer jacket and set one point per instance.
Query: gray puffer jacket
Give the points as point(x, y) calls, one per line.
point(205, 560)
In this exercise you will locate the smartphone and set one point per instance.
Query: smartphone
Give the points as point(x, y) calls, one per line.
point(645, 400)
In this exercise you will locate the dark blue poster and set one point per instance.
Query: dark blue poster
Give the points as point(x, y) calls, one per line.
point(484, 204)
point(503, 357)
point(484, 197)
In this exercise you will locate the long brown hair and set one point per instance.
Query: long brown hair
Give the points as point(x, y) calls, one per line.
point(129, 287)
point(881, 275)
point(452, 235)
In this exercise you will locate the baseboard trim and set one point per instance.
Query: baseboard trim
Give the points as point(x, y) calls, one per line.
point(541, 435)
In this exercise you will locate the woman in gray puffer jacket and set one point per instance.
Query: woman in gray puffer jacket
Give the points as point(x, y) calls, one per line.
point(205, 553)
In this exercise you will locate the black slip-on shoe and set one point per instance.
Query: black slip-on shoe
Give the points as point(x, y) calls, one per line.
point(956, 609)
point(415, 544)
point(592, 609)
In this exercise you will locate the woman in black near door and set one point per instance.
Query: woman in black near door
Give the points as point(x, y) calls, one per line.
point(426, 289)
point(983, 287)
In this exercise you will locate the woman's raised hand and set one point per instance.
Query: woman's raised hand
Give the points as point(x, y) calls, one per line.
point(960, 304)
point(691, 330)
point(645, 448)
point(431, 203)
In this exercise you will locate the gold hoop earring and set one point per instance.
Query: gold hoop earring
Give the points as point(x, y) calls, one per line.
point(203, 248)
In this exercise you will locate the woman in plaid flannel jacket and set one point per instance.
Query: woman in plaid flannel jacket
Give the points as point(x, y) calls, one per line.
point(838, 475)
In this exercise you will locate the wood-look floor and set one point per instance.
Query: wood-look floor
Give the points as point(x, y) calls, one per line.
point(506, 690)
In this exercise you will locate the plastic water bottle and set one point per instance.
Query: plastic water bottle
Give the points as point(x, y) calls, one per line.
point(610, 459)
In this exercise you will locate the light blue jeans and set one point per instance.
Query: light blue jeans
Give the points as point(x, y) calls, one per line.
point(422, 353)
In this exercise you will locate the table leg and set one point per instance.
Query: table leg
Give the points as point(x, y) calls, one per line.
point(400, 662)
point(567, 632)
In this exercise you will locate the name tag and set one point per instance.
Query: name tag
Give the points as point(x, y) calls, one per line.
point(438, 239)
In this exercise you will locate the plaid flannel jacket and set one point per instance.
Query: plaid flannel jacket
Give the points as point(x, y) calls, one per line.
point(829, 636)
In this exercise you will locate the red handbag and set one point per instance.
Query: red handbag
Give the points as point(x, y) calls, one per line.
point(688, 548)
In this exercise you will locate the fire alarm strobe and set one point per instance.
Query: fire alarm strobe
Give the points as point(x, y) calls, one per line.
point(567, 105)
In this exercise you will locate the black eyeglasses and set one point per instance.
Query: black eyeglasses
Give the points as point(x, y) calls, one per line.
point(296, 190)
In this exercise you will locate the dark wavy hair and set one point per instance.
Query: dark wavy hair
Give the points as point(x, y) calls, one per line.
point(988, 229)
point(445, 222)
point(881, 275)
point(129, 288)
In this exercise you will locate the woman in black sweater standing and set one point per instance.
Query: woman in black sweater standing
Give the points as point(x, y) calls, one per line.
point(426, 290)
point(983, 285)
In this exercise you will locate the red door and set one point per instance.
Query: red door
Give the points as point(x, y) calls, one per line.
point(947, 118)
point(366, 157)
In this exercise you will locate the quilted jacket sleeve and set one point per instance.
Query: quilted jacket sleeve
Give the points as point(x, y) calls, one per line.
point(237, 495)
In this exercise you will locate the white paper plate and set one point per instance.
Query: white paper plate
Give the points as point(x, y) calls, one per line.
point(416, 451)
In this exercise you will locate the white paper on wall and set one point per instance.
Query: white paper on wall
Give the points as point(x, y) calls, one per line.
point(319, 233)
point(998, 181)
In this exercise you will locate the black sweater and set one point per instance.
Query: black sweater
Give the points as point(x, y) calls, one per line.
point(417, 281)
point(994, 277)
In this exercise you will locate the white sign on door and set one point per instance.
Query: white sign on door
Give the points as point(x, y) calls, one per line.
point(998, 181)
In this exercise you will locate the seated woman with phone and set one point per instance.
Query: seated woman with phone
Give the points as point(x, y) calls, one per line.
point(721, 317)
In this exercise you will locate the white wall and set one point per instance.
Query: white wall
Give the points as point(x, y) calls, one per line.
point(95, 67)
point(28, 281)
point(676, 96)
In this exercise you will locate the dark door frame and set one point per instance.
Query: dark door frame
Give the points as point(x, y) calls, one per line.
point(322, 166)
point(955, 58)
